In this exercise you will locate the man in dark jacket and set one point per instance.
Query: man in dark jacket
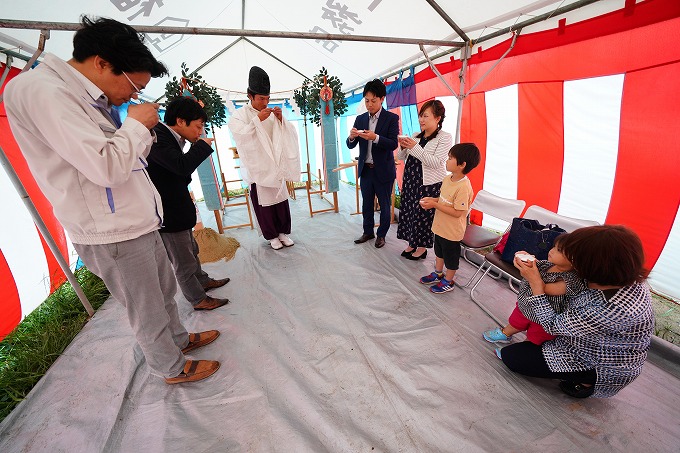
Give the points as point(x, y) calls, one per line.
point(376, 134)
point(170, 170)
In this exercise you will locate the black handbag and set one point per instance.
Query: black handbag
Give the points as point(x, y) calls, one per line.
point(529, 235)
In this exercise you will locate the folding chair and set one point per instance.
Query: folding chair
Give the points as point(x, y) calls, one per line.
point(493, 261)
point(478, 237)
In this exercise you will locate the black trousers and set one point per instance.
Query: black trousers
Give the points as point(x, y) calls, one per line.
point(370, 188)
point(527, 358)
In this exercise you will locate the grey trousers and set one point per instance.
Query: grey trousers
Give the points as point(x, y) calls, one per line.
point(183, 253)
point(139, 276)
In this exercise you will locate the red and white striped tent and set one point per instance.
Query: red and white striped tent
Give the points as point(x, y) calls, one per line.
point(579, 117)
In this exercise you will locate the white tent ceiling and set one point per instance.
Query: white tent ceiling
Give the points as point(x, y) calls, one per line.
point(287, 60)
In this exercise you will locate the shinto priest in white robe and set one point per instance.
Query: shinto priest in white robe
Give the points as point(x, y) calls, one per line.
point(269, 151)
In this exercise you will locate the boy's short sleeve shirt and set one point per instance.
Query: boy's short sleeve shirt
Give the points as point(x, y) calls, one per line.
point(457, 194)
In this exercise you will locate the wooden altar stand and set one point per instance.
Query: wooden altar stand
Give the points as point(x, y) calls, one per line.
point(310, 192)
point(357, 189)
point(246, 196)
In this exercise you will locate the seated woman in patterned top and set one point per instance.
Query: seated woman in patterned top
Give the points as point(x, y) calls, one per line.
point(604, 333)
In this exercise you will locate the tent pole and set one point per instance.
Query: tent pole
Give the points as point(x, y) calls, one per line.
point(516, 27)
point(67, 26)
point(13, 54)
point(44, 36)
point(534, 20)
point(465, 54)
point(448, 19)
point(436, 71)
point(8, 66)
point(276, 58)
point(47, 236)
point(512, 44)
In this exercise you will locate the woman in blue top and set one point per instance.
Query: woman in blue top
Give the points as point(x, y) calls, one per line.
point(604, 333)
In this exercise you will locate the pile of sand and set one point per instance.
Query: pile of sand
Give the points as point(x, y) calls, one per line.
point(213, 246)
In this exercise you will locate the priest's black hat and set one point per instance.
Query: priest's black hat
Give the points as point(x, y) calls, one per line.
point(258, 81)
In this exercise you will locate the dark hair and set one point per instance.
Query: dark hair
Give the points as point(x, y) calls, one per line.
point(437, 110)
point(376, 87)
point(559, 240)
point(606, 254)
point(252, 94)
point(186, 109)
point(118, 44)
point(468, 153)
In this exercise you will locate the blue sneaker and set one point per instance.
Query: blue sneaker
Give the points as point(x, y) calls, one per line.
point(432, 278)
point(496, 336)
point(443, 286)
point(498, 353)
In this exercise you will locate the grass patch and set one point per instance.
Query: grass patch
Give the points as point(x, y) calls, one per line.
point(667, 314)
point(31, 348)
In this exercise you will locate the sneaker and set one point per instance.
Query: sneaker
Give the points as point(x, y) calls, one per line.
point(276, 243)
point(498, 353)
point(443, 286)
point(432, 278)
point(285, 240)
point(496, 336)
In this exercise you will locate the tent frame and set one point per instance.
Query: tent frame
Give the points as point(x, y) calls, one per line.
point(243, 34)
point(70, 26)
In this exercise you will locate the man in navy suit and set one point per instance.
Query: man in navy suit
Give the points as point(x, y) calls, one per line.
point(376, 133)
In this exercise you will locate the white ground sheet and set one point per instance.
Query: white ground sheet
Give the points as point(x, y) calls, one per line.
point(331, 346)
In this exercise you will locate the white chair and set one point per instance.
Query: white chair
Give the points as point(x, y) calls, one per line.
point(493, 261)
point(478, 237)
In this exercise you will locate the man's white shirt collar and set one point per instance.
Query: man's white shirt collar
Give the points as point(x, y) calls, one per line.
point(178, 137)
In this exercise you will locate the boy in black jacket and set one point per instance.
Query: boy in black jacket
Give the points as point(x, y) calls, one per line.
point(170, 170)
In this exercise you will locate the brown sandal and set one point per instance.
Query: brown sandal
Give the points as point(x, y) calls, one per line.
point(195, 370)
point(196, 340)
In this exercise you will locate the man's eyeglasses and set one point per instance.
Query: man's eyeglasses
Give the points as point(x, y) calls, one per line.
point(138, 92)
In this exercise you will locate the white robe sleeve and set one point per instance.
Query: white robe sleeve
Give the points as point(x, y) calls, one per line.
point(288, 143)
point(269, 153)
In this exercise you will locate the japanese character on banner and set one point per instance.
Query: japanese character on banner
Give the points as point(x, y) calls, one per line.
point(124, 5)
point(146, 8)
point(338, 15)
point(327, 44)
point(164, 41)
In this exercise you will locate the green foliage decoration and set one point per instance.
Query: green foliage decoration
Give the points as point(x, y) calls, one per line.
point(307, 97)
point(212, 101)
